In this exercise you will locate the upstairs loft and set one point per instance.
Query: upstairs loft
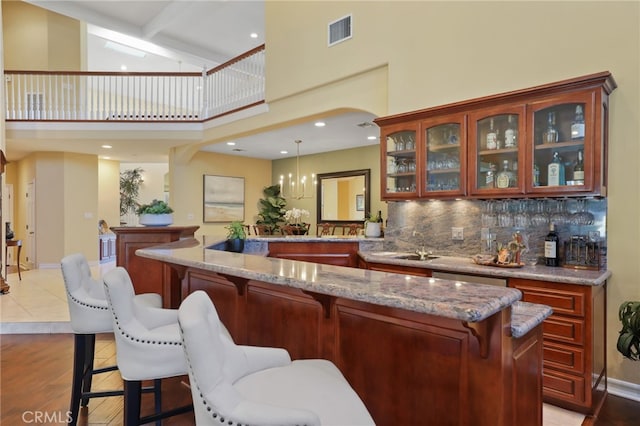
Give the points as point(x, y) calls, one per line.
point(50, 96)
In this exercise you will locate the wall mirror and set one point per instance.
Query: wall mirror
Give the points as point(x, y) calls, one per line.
point(343, 197)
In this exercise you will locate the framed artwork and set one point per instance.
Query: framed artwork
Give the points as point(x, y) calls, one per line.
point(360, 202)
point(222, 198)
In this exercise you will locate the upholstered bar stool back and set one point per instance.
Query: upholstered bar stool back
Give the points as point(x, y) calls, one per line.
point(247, 385)
point(148, 344)
point(89, 314)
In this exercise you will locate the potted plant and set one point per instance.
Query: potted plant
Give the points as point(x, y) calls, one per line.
point(629, 338)
point(373, 225)
point(130, 182)
point(156, 213)
point(295, 222)
point(235, 236)
point(271, 208)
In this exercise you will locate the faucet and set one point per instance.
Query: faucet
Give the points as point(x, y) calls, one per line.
point(424, 254)
point(421, 251)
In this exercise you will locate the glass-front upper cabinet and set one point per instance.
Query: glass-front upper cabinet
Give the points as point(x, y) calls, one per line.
point(563, 145)
point(496, 156)
point(399, 163)
point(444, 160)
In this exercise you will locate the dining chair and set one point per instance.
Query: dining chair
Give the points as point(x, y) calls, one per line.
point(325, 229)
point(249, 385)
point(351, 229)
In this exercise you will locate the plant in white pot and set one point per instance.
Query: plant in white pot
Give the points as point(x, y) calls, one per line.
point(373, 225)
point(156, 213)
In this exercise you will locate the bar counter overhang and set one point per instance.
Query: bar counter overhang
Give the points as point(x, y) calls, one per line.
point(417, 350)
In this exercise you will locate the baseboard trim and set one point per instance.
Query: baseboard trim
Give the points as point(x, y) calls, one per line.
point(623, 389)
point(56, 327)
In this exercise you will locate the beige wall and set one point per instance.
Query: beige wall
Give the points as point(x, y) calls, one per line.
point(53, 40)
point(109, 192)
point(186, 187)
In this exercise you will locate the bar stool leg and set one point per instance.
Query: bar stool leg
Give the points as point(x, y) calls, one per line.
point(79, 364)
point(132, 392)
point(90, 346)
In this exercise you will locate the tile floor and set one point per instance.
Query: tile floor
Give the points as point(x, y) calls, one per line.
point(38, 304)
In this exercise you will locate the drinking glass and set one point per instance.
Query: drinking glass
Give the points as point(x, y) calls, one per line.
point(582, 216)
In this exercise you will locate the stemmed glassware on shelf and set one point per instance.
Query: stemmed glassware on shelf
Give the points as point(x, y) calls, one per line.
point(582, 216)
point(539, 216)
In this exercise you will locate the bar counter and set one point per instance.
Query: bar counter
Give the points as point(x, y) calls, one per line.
point(414, 348)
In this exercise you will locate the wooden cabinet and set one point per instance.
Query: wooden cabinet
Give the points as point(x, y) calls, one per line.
point(107, 247)
point(493, 155)
point(406, 366)
point(400, 161)
point(149, 276)
point(574, 356)
point(329, 253)
point(501, 146)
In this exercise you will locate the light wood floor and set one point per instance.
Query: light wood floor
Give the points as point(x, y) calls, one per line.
point(37, 361)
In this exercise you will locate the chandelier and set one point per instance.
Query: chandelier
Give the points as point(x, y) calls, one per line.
point(297, 188)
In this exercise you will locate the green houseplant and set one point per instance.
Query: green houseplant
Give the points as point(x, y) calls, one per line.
point(130, 182)
point(235, 236)
point(629, 338)
point(156, 213)
point(373, 225)
point(272, 208)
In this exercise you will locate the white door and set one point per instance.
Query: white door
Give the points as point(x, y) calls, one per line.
point(31, 225)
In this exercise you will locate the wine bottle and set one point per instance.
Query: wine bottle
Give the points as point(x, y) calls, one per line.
point(510, 134)
point(555, 171)
point(506, 178)
point(536, 175)
point(492, 137)
point(577, 127)
point(578, 170)
point(550, 135)
point(551, 244)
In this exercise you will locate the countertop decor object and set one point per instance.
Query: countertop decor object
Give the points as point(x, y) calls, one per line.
point(156, 213)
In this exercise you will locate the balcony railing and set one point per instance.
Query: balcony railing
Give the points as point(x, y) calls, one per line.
point(123, 96)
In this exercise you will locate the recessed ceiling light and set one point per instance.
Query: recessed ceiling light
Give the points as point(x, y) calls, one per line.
point(284, 152)
point(320, 124)
point(123, 67)
point(107, 146)
point(371, 138)
point(231, 143)
point(254, 35)
point(105, 158)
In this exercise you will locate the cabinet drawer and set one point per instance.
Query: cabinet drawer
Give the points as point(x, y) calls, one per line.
point(564, 329)
point(564, 357)
point(567, 299)
point(566, 387)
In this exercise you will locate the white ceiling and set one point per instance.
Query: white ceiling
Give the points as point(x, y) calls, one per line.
point(186, 35)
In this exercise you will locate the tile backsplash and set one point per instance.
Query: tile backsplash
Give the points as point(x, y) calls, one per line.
point(413, 224)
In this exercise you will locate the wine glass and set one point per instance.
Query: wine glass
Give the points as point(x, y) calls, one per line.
point(582, 216)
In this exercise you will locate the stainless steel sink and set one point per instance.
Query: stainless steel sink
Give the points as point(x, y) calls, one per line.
point(415, 257)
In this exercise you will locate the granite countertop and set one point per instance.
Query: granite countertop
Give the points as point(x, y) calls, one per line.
point(525, 316)
point(445, 298)
point(466, 266)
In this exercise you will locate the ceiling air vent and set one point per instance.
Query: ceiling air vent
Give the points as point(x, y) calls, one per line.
point(340, 30)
